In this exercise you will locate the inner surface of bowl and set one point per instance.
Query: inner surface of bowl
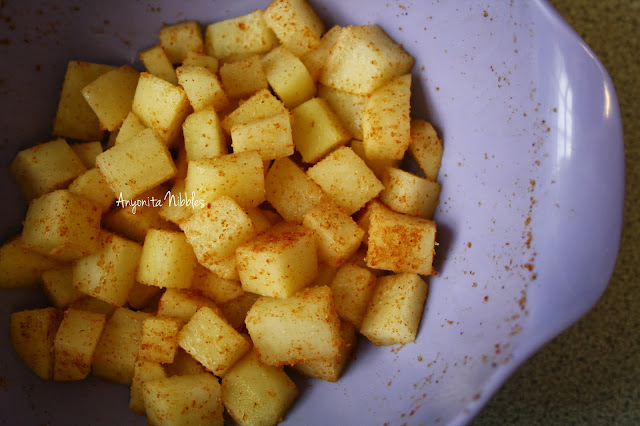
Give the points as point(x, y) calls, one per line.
point(528, 222)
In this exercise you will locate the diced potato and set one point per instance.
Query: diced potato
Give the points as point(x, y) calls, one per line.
point(239, 37)
point(161, 106)
point(235, 310)
point(58, 286)
point(262, 104)
point(156, 62)
point(182, 304)
point(45, 167)
point(203, 87)
point(110, 96)
point(21, 266)
point(203, 135)
point(257, 394)
point(32, 335)
point(400, 243)
point(93, 186)
point(144, 297)
point(317, 130)
point(115, 356)
point(74, 117)
point(177, 206)
point(278, 262)
point(364, 58)
point(184, 364)
point(183, 400)
point(377, 166)
point(167, 260)
point(271, 137)
point(201, 59)
point(131, 126)
point(352, 288)
point(108, 274)
point(87, 152)
point(288, 77)
point(244, 77)
point(426, 147)
point(75, 344)
point(178, 39)
point(144, 371)
point(315, 59)
point(295, 23)
point(346, 179)
point(218, 289)
point(211, 340)
point(407, 193)
point(295, 329)
point(91, 304)
point(386, 124)
point(159, 341)
point(337, 233)
point(133, 168)
point(239, 176)
point(395, 310)
point(348, 106)
point(62, 225)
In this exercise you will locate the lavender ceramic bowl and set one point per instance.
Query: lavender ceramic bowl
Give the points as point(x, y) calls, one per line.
point(530, 214)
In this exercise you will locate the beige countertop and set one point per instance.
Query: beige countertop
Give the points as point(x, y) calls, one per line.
point(590, 374)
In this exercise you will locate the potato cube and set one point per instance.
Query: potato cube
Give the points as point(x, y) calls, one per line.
point(346, 179)
point(290, 191)
point(87, 152)
point(348, 107)
point(156, 62)
point(296, 329)
point(395, 310)
point(377, 166)
point(426, 147)
point(184, 364)
point(352, 288)
point(263, 219)
point(167, 260)
point(407, 193)
point(93, 186)
point(203, 135)
point(144, 371)
point(45, 167)
point(386, 124)
point(131, 126)
point(257, 394)
point(183, 303)
point(210, 339)
point(235, 310)
point(177, 205)
point(21, 266)
point(400, 243)
point(115, 356)
point(288, 77)
point(239, 176)
point(317, 130)
point(315, 59)
point(271, 137)
point(62, 225)
point(161, 106)
point(183, 400)
point(108, 274)
point(75, 344)
point(178, 39)
point(218, 289)
point(278, 262)
point(133, 168)
point(144, 297)
point(203, 87)
point(262, 104)
point(32, 335)
point(110, 96)
point(74, 117)
point(244, 77)
point(57, 284)
point(364, 58)
point(201, 59)
point(337, 233)
point(159, 341)
point(239, 37)
point(295, 23)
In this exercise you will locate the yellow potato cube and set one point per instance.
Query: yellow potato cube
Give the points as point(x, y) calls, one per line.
point(317, 130)
point(159, 341)
point(75, 344)
point(399, 242)
point(62, 225)
point(87, 152)
point(74, 117)
point(143, 371)
point(348, 106)
point(203, 135)
point(32, 335)
point(201, 59)
point(156, 62)
point(278, 262)
point(271, 137)
point(211, 340)
point(218, 289)
point(131, 126)
point(45, 167)
point(184, 364)
point(315, 59)
point(395, 310)
point(257, 394)
point(57, 284)
point(352, 288)
point(21, 266)
point(203, 87)
point(407, 193)
point(244, 77)
point(183, 303)
point(177, 205)
point(364, 58)
point(262, 104)
point(133, 168)
point(377, 166)
point(426, 147)
point(295, 329)
point(240, 36)
point(288, 77)
point(178, 39)
point(295, 23)
point(93, 186)
point(110, 96)
point(235, 310)
point(167, 260)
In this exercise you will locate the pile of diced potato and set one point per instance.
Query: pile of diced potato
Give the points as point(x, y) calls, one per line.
point(237, 208)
